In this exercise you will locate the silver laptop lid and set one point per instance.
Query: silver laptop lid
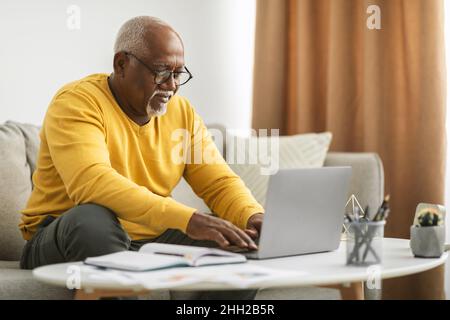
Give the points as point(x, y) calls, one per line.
point(304, 211)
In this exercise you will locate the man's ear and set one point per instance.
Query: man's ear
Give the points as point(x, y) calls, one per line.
point(120, 64)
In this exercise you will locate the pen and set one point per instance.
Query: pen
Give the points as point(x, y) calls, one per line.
point(365, 217)
point(386, 213)
point(381, 211)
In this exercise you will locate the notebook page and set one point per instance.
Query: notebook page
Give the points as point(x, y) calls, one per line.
point(135, 261)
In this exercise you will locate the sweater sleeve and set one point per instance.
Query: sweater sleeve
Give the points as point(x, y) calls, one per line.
point(213, 180)
point(75, 133)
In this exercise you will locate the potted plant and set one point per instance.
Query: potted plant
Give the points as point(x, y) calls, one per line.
point(428, 232)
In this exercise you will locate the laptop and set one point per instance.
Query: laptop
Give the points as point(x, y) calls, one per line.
point(304, 212)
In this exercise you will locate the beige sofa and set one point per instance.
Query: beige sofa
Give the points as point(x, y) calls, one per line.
point(19, 145)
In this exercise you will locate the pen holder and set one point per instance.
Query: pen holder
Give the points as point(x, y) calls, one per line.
point(365, 243)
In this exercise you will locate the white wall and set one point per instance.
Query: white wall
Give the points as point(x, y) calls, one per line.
point(39, 52)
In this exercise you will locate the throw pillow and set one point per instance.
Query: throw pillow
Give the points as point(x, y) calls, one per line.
point(297, 151)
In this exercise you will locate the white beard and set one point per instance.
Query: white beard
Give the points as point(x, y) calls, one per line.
point(156, 113)
point(162, 109)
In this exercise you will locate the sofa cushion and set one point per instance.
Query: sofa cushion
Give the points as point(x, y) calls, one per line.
point(297, 151)
point(30, 133)
point(20, 285)
point(9, 264)
point(15, 189)
point(367, 182)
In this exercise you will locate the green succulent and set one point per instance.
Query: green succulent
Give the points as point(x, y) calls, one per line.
point(428, 218)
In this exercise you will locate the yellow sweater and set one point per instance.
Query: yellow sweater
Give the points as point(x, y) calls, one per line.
point(92, 152)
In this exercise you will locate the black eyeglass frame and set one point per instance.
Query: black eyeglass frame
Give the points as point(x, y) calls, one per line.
point(159, 73)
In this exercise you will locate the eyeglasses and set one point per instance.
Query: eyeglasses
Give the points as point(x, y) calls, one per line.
point(180, 77)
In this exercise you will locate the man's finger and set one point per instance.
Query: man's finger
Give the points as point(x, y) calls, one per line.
point(257, 224)
point(252, 233)
point(247, 238)
point(220, 239)
point(233, 237)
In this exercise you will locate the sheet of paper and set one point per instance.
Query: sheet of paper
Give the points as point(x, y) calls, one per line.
point(240, 276)
point(245, 275)
point(235, 275)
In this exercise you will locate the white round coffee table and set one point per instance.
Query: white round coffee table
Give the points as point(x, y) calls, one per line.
point(321, 269)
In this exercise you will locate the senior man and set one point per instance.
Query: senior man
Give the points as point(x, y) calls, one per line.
point(105, 169)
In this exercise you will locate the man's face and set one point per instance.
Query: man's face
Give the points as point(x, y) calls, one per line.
point(144, 96)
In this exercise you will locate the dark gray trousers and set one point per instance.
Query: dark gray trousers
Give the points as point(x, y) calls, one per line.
point(90, 230)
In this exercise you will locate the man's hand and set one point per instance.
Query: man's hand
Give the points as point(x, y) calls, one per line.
point(254, 225)
point(206, 227)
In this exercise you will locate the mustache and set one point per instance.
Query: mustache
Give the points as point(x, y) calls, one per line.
point(169, 94)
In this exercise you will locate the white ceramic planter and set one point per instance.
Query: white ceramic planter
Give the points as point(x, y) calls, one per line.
point(427, 242)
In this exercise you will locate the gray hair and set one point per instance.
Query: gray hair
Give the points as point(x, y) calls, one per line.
point(132, 33)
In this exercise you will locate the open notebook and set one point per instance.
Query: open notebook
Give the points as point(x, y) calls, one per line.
point(154, 256)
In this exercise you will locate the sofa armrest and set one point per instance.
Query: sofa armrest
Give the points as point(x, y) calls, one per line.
point(367, 182)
